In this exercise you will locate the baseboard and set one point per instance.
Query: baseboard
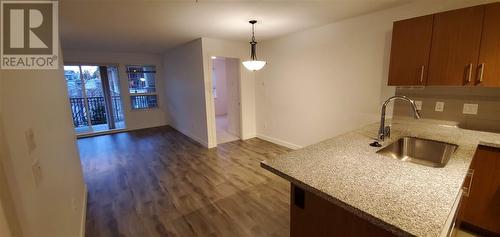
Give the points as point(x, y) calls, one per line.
point(84, 212)
point(246, 137)
point(279, 142)
point(114, 131)
point(95, 134)
point(188, 134)
point(195, 138)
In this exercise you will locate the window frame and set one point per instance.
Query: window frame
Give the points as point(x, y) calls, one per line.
point(121, 103)
point(142, 93)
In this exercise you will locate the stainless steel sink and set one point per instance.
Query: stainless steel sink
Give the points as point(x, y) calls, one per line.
point(420, 151)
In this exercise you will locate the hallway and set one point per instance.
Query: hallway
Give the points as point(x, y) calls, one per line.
point(223, 136)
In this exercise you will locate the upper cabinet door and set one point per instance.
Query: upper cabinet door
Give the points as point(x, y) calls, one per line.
point(411, 45)
point(488, 73)
point(455, 47)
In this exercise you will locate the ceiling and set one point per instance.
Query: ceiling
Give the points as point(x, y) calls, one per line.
point(154, 26)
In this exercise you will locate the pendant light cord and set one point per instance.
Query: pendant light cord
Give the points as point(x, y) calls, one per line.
point(253, 33)
point(253, 44)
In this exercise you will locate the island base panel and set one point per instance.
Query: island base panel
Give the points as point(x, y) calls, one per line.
point(312, 215)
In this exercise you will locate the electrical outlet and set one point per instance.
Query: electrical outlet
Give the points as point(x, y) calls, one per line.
point(29, 136)
point(470, 108)
point(418, 103)
point(439, 106)
point(36, 169)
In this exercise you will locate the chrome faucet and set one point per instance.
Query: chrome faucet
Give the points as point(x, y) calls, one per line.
point(386, 131)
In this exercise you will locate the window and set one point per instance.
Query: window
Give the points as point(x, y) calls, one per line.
point(142, 87)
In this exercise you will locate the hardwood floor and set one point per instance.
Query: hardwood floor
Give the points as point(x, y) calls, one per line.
point(157, 182)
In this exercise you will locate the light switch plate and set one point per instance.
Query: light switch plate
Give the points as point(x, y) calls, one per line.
point(470, 108)
point(418, 103)
point(439, 106)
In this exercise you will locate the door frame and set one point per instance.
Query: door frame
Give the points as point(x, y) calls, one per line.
point(92, 132)
point(210, 103)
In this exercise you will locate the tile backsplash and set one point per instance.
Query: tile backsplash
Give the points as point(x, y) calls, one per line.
point(454, 98)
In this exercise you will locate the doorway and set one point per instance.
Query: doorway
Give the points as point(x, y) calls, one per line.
point(226, 96)
point(94, 95)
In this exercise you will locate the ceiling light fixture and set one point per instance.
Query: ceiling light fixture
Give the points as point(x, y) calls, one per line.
point(253, 64)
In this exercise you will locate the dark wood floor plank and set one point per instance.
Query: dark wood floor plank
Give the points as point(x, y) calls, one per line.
point(158, 182)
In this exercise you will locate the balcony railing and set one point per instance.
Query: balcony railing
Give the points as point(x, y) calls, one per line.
point(97, 110)
point(143, 101)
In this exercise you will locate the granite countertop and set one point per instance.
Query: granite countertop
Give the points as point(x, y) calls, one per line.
point(403, 197)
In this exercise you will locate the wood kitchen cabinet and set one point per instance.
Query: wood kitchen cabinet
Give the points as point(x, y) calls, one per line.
point(456, 40)
point(453, 48)
point(410, 48)
point(312, 215)
point(488, 74)
point(480, 208)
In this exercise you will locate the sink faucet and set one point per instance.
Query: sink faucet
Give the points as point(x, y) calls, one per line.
point(386, 131)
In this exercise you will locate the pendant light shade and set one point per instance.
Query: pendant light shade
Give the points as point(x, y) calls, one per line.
point(253, 64)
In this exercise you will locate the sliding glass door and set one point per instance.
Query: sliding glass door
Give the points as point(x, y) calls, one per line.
point(94, 95)
point(116, 102)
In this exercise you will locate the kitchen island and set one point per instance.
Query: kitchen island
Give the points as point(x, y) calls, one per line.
point(385, 196)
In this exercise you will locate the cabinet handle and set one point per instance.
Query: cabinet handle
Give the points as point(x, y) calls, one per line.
point(481, 72)
point(422, 74)
point(469, 186)
point(469, 76)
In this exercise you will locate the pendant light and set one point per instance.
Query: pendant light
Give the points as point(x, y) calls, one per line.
point(253, 64)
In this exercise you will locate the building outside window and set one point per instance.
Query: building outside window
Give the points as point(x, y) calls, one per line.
point(142, 86)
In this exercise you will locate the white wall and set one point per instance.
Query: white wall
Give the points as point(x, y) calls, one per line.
point(190, 106)
point(219, 71)
point(4, 191)
point(9, 221)
point(4, 228)
point(37, 99)
point(134, 119)
point(185, 90)
point(231, 49)
point(328, 80)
